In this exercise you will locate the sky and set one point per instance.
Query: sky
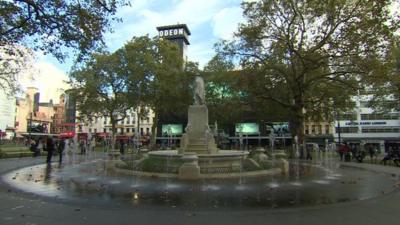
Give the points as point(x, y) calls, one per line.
point(208, 21)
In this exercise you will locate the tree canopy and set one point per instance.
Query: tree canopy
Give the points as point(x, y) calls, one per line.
point(144, 73)
point(304, 55)
point(51, 26)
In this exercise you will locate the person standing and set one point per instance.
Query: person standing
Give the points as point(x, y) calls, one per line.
point(61, 147)
point(121, 147)
point(50, 148)
point(93, 144)
point(343, 151)
point(308, 152)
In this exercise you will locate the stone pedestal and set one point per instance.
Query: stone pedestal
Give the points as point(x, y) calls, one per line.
point(190, 169)
point(198, 137)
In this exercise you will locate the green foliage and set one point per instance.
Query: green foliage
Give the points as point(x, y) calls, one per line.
point(51, 26)
point(385, 86)
point(101, 88)
point(309, 56)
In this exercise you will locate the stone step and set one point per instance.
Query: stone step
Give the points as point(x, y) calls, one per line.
point(197, 141)
point(197, 148)
point(197, 144)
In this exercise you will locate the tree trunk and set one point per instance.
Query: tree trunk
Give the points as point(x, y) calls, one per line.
point(153, 140)
point(297, 124)
point(113, 129)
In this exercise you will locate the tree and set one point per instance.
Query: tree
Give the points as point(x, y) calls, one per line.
point(385, 87)
point(52, 26)
point(164, 84)
point(101, 89)
point(223, 92)
point(304, 54)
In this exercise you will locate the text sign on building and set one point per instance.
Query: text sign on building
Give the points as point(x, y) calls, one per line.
point(171, 32)
point(365, 123)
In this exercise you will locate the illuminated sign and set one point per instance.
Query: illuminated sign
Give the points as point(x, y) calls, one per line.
point(171, 32)
point(278, 128)
point(171, 129)
point(247, 128)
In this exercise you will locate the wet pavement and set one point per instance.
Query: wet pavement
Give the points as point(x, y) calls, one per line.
point(35, 193)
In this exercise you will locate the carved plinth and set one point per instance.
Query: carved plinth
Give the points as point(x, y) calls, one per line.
point(198, 137)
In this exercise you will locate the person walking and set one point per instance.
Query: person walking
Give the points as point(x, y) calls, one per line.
point(50, 148)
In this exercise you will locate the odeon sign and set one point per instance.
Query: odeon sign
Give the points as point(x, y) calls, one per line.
point(171, 32)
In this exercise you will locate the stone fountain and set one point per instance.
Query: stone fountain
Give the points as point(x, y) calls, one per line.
point(198, 156)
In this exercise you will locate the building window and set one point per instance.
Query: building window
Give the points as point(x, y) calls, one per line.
point(147, 130)
point(128, 120)
point(105, 120)
point(141, 131)
point(104, 130)
point(347, 130)
point(376, 116)
point(380, 129)
point(313, 129)
point(326, 129)
point(347, 116)
point(127, 130)
point(90, 130)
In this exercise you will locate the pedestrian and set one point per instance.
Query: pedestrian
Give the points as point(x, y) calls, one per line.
point(50, 148)
point(121, 147)
point(343, 151)
point(308, 152)
point(371, 151)
point(93, 144)
point(82, 146)
point(61, 148)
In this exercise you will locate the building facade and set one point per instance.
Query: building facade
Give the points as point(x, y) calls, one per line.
point(7, 114)
point(33, 116)
point(363, 125)
point(128, 126)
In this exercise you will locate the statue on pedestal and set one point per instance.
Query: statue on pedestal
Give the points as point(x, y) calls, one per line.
point(198, 92)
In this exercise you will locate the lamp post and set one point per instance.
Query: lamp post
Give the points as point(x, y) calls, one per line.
point(30, 126)
point(337, 119)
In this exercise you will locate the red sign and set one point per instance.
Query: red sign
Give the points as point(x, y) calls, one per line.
point(69, 134)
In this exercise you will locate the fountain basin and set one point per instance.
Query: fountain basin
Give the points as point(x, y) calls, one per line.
point(171, 164)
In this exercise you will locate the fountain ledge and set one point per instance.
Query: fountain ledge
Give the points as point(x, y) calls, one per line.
point(259, 173)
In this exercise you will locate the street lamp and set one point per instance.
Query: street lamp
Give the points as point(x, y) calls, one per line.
point(337, 119)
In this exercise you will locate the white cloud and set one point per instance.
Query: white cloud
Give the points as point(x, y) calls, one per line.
point(226, 21)
point(201, 53)
point(48, 79)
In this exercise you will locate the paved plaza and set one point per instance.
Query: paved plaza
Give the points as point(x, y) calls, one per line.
point(18, 207)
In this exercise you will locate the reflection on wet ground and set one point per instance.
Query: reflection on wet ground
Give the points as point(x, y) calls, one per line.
point(86, 180)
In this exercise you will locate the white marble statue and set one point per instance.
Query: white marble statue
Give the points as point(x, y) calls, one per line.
point(199, 92)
